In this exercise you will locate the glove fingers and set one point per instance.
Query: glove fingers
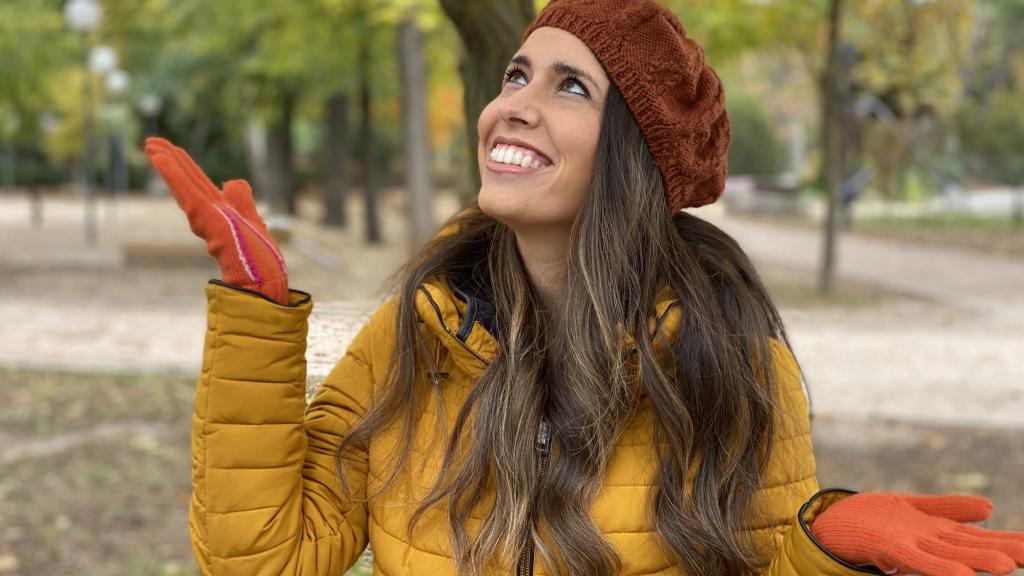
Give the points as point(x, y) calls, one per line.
point(993, 534)
point(917, 561)
point(979, 558)
point(1012, 546)
point(239, 194)
point(958, 507)
point(190, 174)
point(192, 201)
point(196, 174)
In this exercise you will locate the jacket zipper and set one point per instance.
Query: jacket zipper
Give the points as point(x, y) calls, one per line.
point(525, 567)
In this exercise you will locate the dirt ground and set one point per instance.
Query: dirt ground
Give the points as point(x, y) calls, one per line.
point(94, 471)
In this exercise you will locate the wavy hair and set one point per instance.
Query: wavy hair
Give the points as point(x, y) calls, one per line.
point(713, 401)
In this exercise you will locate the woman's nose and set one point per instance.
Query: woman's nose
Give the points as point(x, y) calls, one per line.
point(518, 107)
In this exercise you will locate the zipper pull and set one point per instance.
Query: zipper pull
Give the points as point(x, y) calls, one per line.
point(543, 438)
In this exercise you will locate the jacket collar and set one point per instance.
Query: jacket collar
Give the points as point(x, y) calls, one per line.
point(460, 314)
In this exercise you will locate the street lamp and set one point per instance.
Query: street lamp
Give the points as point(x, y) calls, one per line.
point(117, 84)
point(150, 104)
point(84, 16)
point(102, 60)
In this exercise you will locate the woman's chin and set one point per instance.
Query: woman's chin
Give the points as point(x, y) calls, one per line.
point(492, 204)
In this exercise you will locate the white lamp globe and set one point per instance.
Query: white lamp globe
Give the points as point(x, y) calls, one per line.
point(118, 82)
point(83, 15)
point(102, 59)
point(150, 104)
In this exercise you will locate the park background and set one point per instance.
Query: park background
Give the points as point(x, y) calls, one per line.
point(877, 180)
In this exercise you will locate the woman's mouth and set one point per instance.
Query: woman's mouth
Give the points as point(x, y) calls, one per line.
point(514, 160)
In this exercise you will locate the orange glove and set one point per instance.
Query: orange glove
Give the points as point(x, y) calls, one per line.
point(234, 233)
point(918, 534)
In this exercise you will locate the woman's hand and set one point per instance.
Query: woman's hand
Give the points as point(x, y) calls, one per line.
point(234, 233)
point(902, 533)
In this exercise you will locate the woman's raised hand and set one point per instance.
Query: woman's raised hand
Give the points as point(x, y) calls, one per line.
point(905, 533)
point(234, 232)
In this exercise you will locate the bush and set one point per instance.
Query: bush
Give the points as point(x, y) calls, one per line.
point(755, 147)
point(992, 136)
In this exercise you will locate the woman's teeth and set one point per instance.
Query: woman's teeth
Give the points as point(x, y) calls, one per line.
point(516, 156)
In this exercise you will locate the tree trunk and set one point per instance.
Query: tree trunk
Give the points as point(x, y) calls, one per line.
point(833, 143)
point(255, 136)
point(1018, 208)
point(10, 164)
point(280, 167)
point(373, 235)
point(491, 33)
point(336, 161)
point(417, 144)
point(199, 135)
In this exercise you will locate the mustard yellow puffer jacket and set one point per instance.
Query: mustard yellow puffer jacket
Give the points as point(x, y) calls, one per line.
point(266, 499)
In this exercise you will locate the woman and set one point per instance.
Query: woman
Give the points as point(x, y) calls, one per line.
point(573, 377)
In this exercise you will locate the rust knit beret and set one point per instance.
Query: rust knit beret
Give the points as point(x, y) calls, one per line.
point(675, 96)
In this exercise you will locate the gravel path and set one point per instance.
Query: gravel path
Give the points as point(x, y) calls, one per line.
point(989, 285)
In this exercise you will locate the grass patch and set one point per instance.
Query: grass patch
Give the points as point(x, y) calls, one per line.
point(999, 235)
point(798, 288)
point(943, 223)
point(78, 502)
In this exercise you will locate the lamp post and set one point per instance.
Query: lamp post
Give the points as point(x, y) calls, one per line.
point(83, 16)
point(150, 105)
point(47, 125)
point(10, 123)
point(117, 84)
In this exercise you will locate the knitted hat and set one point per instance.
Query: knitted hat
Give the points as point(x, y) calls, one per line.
point(676, 98)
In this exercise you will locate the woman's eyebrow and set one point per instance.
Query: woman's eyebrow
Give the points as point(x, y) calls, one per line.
point(558, 66)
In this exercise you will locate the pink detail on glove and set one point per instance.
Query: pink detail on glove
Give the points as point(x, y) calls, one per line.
point(241, 248)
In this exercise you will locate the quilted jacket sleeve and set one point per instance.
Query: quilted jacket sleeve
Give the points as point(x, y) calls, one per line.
point(266, 498)
point(797, 553)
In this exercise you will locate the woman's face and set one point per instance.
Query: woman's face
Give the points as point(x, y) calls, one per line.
point(551, 101)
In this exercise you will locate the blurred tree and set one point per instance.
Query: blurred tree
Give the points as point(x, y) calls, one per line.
point(335, 158)
point(729, 29)
point(1004, 20)
point(993, 139)
point(990, 123)
point(755, 148)
point(36, 48)
point(368, 143)
point(417, 146)
point(834, 95)
point(910, 56)
point(491, 33)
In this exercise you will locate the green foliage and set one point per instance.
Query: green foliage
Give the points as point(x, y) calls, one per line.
point(221, 64)
point(993, 136)
point(755, 147)
point(35, 47)
point(911, 54)
point(730, 28)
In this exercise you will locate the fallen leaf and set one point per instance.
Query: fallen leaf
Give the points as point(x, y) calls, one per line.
point(8, 563)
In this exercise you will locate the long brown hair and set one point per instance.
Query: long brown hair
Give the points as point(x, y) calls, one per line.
point(713, 401)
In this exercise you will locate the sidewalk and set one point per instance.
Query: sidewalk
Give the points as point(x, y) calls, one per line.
point(990, 285)
point(945, 346)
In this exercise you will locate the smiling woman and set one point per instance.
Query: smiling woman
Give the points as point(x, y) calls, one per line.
point(544, 109)
point(572, 377)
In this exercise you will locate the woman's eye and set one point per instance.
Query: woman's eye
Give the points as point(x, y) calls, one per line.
point(569, 81)
point(512, 74)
